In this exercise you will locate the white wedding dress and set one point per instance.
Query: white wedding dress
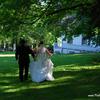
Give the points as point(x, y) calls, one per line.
point(42, 68)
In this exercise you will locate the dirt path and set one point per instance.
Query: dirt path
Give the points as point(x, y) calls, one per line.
point(7, 55)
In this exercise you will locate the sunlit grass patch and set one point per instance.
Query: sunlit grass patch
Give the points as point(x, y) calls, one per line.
point(76, 76)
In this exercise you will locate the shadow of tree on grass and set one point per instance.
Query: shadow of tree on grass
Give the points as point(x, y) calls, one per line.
point(68, 85)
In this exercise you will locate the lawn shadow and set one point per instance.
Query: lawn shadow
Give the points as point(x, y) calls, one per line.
point(68, 85)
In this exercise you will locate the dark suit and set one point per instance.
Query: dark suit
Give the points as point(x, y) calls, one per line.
point(22, 55)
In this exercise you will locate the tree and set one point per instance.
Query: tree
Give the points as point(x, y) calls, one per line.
point(32, 17)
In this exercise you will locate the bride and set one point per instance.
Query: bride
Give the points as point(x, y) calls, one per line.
point(41, 69)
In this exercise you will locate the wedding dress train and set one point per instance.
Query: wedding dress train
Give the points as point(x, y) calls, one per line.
point(42, 68)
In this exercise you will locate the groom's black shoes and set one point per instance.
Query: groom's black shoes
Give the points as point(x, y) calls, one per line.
point(26, 79)
point(21, 77)
point(21, 80)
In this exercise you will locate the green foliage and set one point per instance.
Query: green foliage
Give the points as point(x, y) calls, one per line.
point(72, 17)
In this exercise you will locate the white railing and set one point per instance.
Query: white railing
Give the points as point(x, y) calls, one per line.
point(66, 48)
point(80, 47)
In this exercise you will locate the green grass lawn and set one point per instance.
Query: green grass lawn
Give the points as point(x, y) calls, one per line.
point(7, 52)
point(77, 77)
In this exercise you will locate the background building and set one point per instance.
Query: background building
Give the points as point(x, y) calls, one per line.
point(76, 45)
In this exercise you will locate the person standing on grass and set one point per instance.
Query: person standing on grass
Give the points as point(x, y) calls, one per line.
point(41, 69)
point(22, 55)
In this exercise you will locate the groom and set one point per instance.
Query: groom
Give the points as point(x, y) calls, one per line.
point(22, 55)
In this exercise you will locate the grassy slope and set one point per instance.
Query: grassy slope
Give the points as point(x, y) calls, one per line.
point(76, 77)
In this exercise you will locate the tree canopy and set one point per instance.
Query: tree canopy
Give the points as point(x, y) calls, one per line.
point(35, 18)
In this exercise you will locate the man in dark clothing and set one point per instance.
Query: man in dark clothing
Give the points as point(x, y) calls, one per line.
point(22, 55)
